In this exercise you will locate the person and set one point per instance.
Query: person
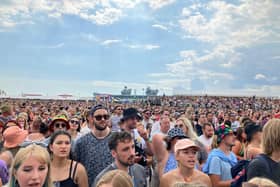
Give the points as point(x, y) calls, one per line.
point(185, 152)
point(75, 127)
point(59, 122)
point(164, 156)
point(87, 124)
point(116, 117)
point(65, 172)
point(142, 145)
point(207, 137)
point(254, 138)
point(115, 178)
point(13, 136)
point(6, 114)
point(187, 127)
point(92, 149)
point(267, 164)
point(31, 167)
point(240, 142)
point(259, 182)
point(6, 159)
point(35, 134)
point(221, 159)
point(122, 149)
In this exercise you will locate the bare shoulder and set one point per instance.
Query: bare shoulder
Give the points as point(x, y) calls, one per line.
point(202, 177)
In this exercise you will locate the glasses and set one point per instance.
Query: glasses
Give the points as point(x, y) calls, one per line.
point(75, 122)
point(148, 113)
point(179, 125)
point(60, 125)
point(100, 117)
point(27, 143)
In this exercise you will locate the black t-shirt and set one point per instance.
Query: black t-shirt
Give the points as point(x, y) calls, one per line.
point(265, 167)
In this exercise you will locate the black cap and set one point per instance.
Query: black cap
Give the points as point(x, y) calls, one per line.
point(131, 113)
point(97, 107)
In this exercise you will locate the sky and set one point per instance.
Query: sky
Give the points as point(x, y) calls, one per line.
point(78, 47)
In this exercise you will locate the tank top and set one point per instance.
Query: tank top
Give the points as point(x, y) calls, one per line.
point(171, 163)
point(69, 182)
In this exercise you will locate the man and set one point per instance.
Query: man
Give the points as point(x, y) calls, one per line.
point(198, 127)
point(92, 149)
point(6, 114)
point(116, 118)
point(185, 153)
point(207, 136)
point(164, 126)
point(142, 145)
point(122, 149)
point(146, 118)
point(221, 160)
point(156, 125)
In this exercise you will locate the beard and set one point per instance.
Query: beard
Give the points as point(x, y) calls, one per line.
point(100, 127)
point(130, 162)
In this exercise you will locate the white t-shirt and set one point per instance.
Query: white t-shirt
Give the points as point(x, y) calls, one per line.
point(207, 142)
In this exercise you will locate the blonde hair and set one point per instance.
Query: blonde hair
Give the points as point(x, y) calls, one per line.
point(191, 134)
point(40, 154)
point(271, 136)
point(258, 181)
point(117, 178)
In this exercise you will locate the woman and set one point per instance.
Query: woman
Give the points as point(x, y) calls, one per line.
point(267, 164)
point(22, 120)
point(186, 126)
point(254, 138)
point(31, 167)
point(65, 172)
point(75, 127)
point(115, 178)
point(240, 141)
point(185, 153)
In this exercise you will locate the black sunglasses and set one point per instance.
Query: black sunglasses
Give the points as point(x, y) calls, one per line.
point(74, 122)
point(58, 125)
point(100, 117)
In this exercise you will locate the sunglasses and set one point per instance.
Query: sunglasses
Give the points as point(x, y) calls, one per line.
point(58, 125)
point(100, 117)
point(75, 122)
point(27, 143)
point(179, 125)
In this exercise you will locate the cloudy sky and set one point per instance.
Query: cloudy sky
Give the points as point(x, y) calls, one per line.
point(177, 46)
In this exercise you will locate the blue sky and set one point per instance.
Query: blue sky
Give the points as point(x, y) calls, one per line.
point(179, 47)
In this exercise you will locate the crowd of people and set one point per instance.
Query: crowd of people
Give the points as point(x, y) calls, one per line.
point(176, 141)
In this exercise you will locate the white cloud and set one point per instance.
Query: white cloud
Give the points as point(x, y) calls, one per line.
point(109, 42)
point(146, 46)
point(106, 16)
point(160, 27)
point(260, 76)
point(156, 4)
point(186, 12)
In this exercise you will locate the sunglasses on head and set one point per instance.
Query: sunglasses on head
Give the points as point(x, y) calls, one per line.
point(27, 143)
point(100, 117)
point(58, 125)
point(74, 122)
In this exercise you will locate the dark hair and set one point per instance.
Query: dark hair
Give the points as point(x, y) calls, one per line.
point(239, 132)
point(56, 134)
point(43, 128)
point(251, 129)
point(117, 137)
